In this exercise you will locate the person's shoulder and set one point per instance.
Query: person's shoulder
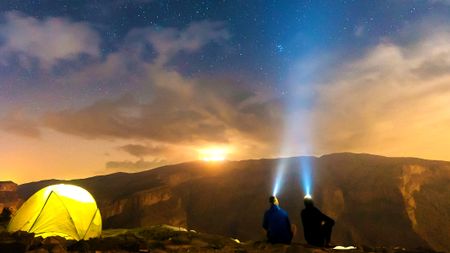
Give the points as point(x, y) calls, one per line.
point(284, 212)
point(270, 210)
point(317, 210)
point(305, 212)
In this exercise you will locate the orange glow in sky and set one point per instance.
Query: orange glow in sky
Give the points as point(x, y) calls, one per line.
point(213, 154)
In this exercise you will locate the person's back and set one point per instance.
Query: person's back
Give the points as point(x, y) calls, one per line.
point(316, 225)
point(276, 223)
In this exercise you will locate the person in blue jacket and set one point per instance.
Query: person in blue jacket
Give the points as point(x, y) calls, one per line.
point(317, 226)
point(276, 223)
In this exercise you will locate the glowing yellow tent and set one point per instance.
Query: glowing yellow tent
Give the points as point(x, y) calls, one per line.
point(59, 210)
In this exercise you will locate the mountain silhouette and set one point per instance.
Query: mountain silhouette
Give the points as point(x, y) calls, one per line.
point(375, 200)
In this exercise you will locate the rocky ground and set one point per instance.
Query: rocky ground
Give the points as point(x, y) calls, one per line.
point(161, 239)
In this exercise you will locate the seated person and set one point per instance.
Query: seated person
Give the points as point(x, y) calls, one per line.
point(276, 223)
point(316, 225)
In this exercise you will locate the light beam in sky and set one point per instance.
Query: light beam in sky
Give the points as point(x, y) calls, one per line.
point(279, 177)
point(297, 139)
point(306, 174)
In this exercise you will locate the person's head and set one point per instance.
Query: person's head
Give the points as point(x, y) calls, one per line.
point(308, 201)
point(273, 200)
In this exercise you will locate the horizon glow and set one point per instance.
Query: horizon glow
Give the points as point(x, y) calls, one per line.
point(213, 154)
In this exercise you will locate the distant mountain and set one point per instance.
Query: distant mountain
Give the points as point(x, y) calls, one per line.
point(8, 195)
point(375, 200)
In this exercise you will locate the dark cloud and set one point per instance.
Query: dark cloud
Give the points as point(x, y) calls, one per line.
point(169, 117)
point(126, 118)
point(144, 150)
point(435, 67)
point(134, 166)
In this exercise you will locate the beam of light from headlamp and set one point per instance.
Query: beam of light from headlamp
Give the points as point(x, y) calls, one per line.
point(279, 177)
point(298, 120)
point(306, 174)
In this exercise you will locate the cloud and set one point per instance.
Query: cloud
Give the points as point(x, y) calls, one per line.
point(392, 100)
point(168, 42)
point(168, 107)
point(16, 122)
point(144, 150)
point(395, 93)
point(134, 166)
point(171, 116)
point(47, 41)
point(126, 118)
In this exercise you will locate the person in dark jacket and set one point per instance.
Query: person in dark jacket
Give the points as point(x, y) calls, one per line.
point(276, 223)
point(316, 225)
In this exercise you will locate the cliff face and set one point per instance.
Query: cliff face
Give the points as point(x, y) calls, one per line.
point(8, 195)
point(375, 200)
point(426, 194)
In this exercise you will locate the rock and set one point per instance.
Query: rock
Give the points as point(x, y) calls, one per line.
point(80, 246)
point(161, 239)
point(158, 251)
point(366, 248)
point(55, 244)
point(41, 250)
point(8, 186)
point(9, 198)
point(38, 242)
point(54, 240)
point(57, 248)
point(13, 247)
point(199, 243)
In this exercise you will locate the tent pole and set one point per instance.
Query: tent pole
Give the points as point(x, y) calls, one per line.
point(40, 212)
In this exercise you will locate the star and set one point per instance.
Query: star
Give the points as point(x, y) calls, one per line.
point(279, 48)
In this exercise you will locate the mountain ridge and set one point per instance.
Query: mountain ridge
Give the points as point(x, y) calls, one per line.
point(371, 197)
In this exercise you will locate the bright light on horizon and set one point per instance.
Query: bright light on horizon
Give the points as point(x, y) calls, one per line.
point(213, 154)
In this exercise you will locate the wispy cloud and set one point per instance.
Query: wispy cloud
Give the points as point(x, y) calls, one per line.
point(394, 99)
point(47, 41)
point(144, 150)
point(17, 122)
point(169, 42)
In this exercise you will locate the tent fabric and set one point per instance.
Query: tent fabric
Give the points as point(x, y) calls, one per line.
point(59, 210)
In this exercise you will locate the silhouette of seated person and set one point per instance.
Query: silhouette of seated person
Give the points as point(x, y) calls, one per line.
point(5, 216)
point(316, 225)
point(276, 223)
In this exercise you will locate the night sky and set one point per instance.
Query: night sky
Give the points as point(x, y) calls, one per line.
point(95, 87)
